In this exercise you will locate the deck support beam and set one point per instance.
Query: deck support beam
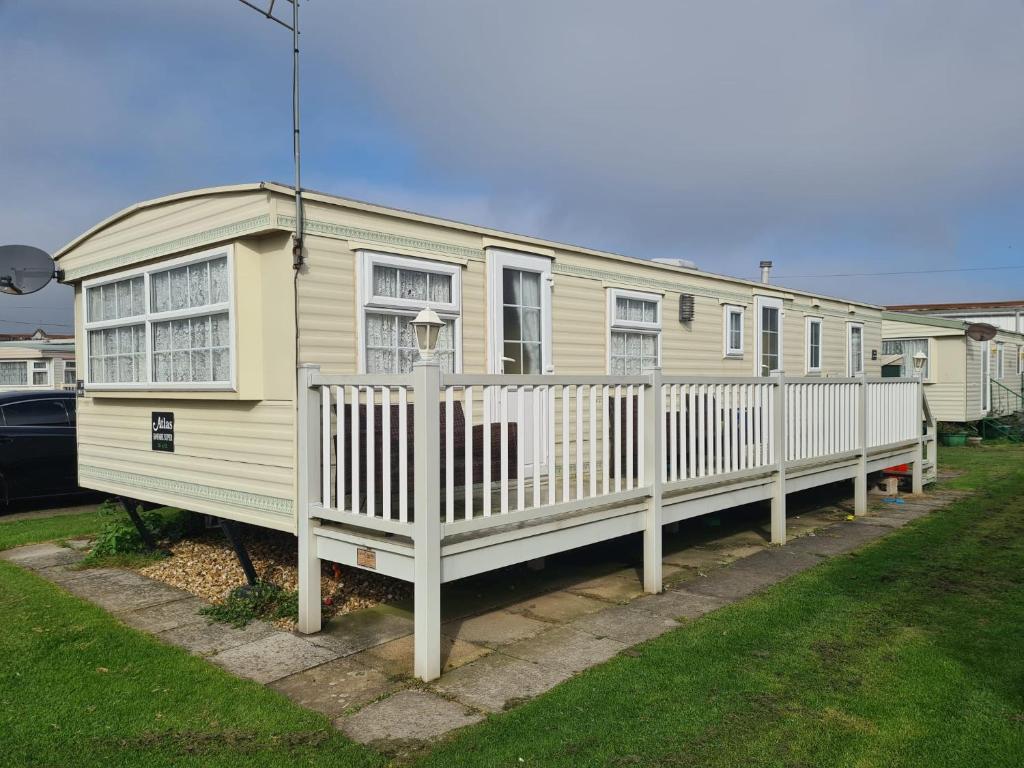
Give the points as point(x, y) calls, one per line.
point(654, 426)
point(860, 480)
point(309, 461)
point(778, 514)
point(427, 520)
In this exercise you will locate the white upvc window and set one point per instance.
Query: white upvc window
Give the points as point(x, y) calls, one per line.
point(634, 332)
point(732, 328)
point(40, 373)
point(908, 349)
point(1020, 359)
point(768, 336)
point(814, 328)
point(70, 371)
point(166, 326)
point(394, 290)
point(13, 373)
point(999, 367)
point(855, 349)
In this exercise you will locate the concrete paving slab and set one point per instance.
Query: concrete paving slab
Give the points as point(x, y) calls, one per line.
point(408, 716)
point(335, 687)
point(625, 624)
point(395, 658)
point(557, 607)
point(699, 558)
point(498, 682)
point(39, 556)
point(679, 604)
point(619, 587)
point(566, 648)
point(837, 539)
point(206, 638)
point(271, 658)
point(63, 574)
point(123, 591)
point(753, 574)
point(494, 629)
point(357, 631)
point(158, 618)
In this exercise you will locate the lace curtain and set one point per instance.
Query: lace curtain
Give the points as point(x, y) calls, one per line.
point(633, 354)
point(13, 373)
point(191, 286)
point(391, 344)
point(415, 285)
point(636, 310)
point(194, 349)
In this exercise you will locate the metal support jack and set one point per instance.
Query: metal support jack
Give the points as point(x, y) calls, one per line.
point(234, 538)
point(131, 507)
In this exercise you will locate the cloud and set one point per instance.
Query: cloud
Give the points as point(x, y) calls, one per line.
point(821, 134)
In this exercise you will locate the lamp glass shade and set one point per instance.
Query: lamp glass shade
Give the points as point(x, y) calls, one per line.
point(919, 360)
point(428, 327)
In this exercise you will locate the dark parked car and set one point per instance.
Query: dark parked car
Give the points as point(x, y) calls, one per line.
point(38, 453)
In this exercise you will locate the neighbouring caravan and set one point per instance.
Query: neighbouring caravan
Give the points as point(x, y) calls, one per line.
point(965, 380)
point(567, 395)
point(37, 365)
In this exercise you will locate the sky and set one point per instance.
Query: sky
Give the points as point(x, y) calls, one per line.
point(834, 138)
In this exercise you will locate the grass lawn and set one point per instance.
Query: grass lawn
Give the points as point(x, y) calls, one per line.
point(906, 653)
point(17, 533)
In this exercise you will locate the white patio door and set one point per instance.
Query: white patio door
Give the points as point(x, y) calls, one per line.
point(986, 376)
point(520, 338)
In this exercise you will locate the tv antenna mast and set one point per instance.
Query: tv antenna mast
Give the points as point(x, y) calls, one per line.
point(293, 26)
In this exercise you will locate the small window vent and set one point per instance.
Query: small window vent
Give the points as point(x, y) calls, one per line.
point(685, 308)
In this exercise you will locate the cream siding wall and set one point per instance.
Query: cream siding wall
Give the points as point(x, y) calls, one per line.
point(234, 453)
point(947, 387)
point(171, 228)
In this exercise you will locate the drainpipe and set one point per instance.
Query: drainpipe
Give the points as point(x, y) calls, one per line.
point(766, 268)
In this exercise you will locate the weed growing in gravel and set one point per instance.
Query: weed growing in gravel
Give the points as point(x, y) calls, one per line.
point(118, 543)
point(260, 601)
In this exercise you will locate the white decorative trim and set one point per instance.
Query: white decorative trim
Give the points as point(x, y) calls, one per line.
point(248, 501)
point(344, 232)
point(207, 237)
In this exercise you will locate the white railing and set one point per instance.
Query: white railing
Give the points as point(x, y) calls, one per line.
point(512, 444)
point(716, 426)
point(511, 447)
point(893, 411)
point(821, 417)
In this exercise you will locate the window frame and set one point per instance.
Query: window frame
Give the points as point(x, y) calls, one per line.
point(46, 368)
point(850, 325)
point(770, 302)
point(809, 321)
point(67, 418)
point(728, 311)
point(148, 318)
point(368, 301)
point(908, 364)
point(73, 369)
point(615, 325)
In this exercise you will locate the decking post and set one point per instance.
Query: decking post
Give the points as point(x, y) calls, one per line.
point(427, 519)
point(860, 480)
point(307, 489)
point(654, 424)
point(779, 443)
point(917, 468)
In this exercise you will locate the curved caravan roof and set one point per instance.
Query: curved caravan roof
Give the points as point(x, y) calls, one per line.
point(266, 206)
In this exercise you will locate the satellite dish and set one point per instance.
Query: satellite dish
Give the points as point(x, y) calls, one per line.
point(24, 269)
point(981, 331)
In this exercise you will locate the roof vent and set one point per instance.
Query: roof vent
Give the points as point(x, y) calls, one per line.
point(766, 269)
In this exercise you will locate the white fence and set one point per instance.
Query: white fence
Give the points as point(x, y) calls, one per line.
point(442, 476)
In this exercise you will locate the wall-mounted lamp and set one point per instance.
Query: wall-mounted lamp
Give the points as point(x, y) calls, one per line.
point(428, 327)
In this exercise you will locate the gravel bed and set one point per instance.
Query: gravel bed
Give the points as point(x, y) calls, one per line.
point(207, 568)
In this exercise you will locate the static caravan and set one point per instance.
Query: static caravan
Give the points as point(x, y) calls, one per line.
point(37, 365)
point(965, 380)
point(553, 396)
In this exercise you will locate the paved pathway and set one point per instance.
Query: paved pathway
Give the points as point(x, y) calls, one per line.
point(499, 649)
point(31, 514)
